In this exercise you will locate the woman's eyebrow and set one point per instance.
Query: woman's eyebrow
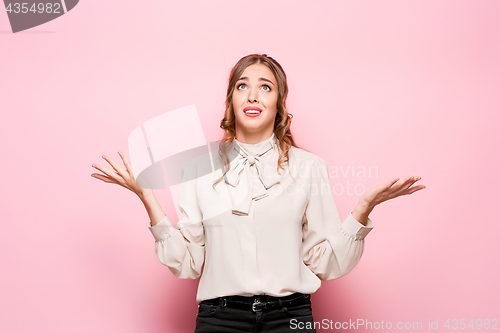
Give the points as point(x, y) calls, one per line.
point(260, 79)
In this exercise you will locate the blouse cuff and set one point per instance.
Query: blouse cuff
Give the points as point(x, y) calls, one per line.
point(162, 230)
point(355, 229)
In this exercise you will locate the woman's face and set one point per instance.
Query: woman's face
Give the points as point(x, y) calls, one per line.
point(257, 90)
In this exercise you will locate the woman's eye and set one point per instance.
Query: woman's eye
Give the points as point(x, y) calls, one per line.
point(239, 85)
point(266, 86)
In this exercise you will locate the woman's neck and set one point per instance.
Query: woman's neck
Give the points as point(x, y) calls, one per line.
point(253, 138)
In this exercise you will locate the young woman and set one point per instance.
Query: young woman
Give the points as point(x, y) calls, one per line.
point(262, 230)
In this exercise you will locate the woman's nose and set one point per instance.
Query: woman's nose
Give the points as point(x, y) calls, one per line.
point(252, 95)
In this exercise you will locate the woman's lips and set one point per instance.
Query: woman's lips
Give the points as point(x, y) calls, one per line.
point(252, 111)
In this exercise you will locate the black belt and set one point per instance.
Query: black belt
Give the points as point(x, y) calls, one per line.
point(254, 303)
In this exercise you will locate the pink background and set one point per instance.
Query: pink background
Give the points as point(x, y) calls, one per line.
point(410, 87)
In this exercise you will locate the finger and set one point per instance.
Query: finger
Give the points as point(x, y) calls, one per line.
point(103, 178)
point(111, 174)
point(404, 184)
point(126, 163)
point(415, 189)
point(415, 179)
point(398, 187)
point(408, 182)
point(411, 190)
point(115, 166)
point(391, 182)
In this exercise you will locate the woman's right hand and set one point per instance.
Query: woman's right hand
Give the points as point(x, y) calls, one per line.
point(121, 177)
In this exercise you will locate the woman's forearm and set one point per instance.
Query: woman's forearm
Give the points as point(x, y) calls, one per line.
point(153, 208)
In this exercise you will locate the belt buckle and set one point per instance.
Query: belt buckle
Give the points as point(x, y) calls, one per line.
point(255, 302)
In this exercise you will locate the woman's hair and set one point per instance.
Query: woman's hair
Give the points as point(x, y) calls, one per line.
point(282, 121)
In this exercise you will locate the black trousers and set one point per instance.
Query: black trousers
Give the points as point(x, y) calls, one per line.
point(215, 317)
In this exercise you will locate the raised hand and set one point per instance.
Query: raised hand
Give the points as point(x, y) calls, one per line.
point(120, 176)
point(384, 192)
point(391, 189)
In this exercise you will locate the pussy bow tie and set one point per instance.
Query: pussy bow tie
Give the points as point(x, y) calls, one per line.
point(265, 160)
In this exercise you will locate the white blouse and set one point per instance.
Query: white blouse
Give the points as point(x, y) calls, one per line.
point(259, 231)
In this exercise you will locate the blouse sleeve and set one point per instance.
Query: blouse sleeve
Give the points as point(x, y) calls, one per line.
point(182, 248)
point(331, 248)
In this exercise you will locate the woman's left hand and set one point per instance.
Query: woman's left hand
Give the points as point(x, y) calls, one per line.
point(381, 193)
point(390, 190)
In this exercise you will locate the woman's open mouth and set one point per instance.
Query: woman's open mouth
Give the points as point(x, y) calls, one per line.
point(252, 111)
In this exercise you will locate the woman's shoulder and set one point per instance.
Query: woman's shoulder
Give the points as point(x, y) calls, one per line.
point(302, 164)
point(302, 155)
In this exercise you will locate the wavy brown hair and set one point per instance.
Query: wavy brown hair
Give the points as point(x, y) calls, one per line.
point(282, 121)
